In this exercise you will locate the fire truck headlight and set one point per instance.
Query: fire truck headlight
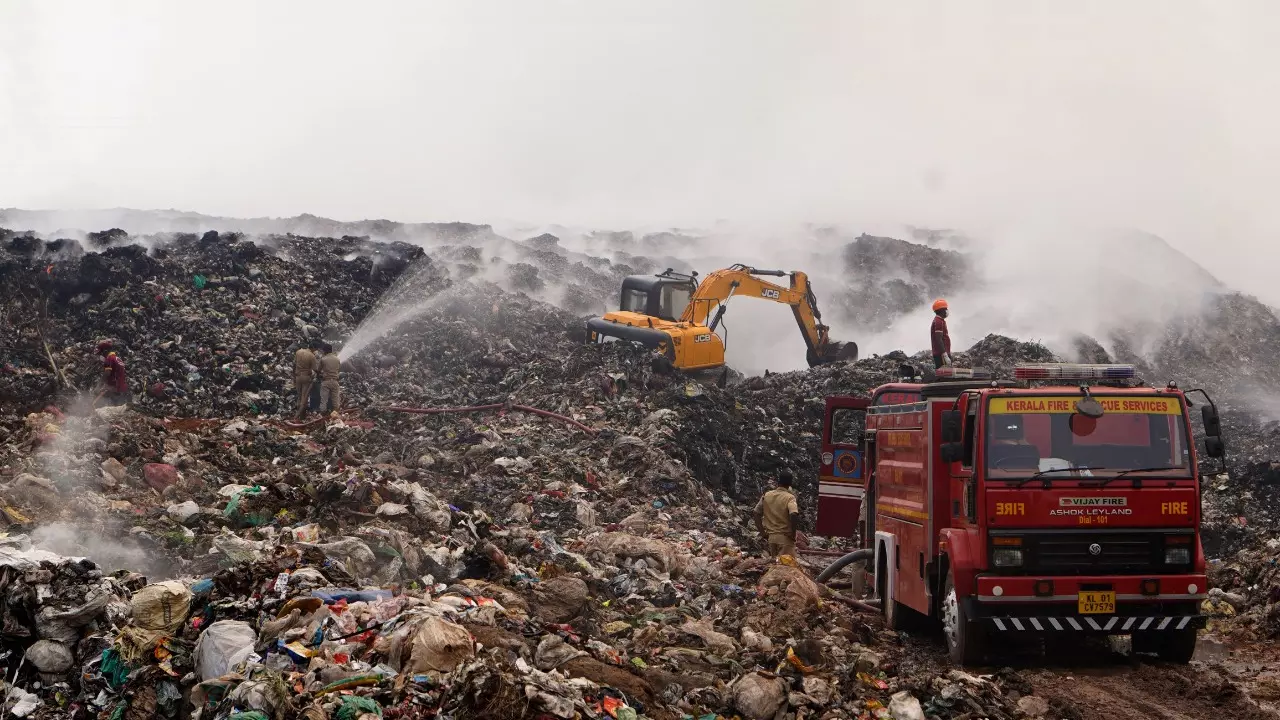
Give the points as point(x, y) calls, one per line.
point(1006, 557)
point(1177, 556)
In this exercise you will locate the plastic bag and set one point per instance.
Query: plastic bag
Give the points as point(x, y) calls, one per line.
point(236, 549)
point(355, 706)
point(352, 553)
point(222, 646)
point(50, 656)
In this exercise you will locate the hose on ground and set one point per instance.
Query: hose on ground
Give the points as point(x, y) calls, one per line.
point(492, 407)
point(838, 565)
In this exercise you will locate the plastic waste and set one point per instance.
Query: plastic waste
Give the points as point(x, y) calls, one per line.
point(354, 706)
point(222, 646)
point(553, 652)
point(758, 697)
point(180, 512)
point(50, 656)
point(23, 702)
point(333, 595)
point(904, 706)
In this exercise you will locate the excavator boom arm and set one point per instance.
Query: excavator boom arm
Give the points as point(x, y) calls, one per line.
point(716, 289)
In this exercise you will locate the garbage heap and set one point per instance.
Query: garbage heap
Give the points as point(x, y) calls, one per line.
point(504, 521)
point(570, 539)
point(552, 599)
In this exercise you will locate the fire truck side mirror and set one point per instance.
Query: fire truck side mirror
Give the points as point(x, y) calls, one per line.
point(952, 452)
point(950, 426)
point(1214, 447)
point(1212, 424)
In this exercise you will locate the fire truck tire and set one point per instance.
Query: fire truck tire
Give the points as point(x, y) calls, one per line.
point(966, 641)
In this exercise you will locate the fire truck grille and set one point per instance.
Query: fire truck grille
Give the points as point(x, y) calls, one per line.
point(1082, 555)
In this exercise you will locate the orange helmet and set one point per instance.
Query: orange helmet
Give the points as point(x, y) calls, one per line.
point(939, 304)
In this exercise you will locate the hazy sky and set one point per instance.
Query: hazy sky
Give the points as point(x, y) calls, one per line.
point(997, 117)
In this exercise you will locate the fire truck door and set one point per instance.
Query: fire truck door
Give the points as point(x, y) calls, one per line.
point(842, 472)
point(963, 486)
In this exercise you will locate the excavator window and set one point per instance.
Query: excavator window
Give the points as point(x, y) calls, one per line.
point(636, 301)
point(673, 301)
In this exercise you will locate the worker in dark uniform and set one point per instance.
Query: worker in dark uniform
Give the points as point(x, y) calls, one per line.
point(777, 516)
point(330, 392)
point(938, 335)
point(115, 383)
point(305, 366)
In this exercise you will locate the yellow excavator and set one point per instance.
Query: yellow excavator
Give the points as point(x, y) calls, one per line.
point(669, 313)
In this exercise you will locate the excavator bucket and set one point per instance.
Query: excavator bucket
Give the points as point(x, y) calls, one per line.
point(844, 351)
point(835, 352)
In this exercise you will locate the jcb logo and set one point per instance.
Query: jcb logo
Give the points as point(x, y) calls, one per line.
point(1011, 508)
point(770, 293)
point(1174, 508)
point(702, 338)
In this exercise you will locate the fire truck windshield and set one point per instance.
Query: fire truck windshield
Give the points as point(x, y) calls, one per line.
point(1045, 437)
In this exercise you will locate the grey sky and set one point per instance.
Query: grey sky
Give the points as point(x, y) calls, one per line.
point(996, 117)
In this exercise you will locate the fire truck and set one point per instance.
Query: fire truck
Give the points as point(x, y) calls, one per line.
point(1064, 501)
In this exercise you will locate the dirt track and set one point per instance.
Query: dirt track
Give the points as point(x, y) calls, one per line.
point(1164, 692)
point(1091, 681)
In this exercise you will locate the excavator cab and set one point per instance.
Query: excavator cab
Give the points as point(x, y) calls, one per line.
point(664, 295)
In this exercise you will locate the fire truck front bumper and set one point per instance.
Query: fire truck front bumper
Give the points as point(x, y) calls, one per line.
point(1100, 604)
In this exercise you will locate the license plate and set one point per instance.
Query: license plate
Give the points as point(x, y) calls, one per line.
point(1097, 602)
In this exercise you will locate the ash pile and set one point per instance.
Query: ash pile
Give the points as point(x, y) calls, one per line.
point(571, 540)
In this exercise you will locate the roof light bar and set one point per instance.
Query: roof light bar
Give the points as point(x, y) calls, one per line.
point(1073, 371)
point(955, 373)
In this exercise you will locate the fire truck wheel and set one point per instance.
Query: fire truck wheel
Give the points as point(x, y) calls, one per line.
point(964, 638)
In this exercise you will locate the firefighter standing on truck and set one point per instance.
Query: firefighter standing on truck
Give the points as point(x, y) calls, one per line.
point(777, 515)
point(939, 336)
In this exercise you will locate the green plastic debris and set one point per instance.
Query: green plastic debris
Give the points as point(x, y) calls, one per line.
point(199, 281)
point(250, 715)
point(639, 663)
point(233, 506)
point(627, 712)
point(353, 706)
point(113, 668)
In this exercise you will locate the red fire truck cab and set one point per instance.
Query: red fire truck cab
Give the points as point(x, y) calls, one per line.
point(1064, 501)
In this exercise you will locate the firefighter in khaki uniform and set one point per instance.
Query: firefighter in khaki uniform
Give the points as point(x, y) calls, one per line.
point(305, 366)
point(777, 515)
point(330, 392)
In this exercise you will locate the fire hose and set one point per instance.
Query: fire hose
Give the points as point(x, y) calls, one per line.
point(837, 566)
point(492, 407)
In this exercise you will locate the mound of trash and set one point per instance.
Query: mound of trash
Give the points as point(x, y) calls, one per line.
point(503, 522)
